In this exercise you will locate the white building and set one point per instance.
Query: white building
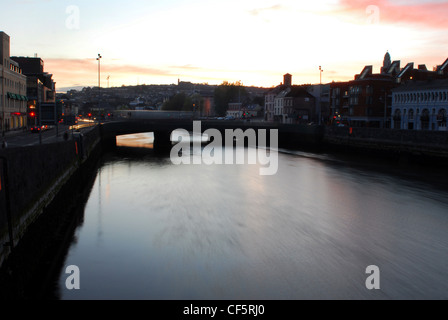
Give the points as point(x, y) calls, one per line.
point(280, 101)
point(420, 105)
point(235, 110)
point(13, 90)
point(272, 106)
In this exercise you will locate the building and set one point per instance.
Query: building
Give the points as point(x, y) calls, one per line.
point(297, 105)
point(235, 110)
point(207, 104)
point(269, 102)
point(13, 96)
point(271, 109)
point(41, 89)
point(420, 105)
point(366, 101)
point(321, 94)
point(288, 103)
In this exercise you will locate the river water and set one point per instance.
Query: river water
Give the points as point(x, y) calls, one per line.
point(155, 230)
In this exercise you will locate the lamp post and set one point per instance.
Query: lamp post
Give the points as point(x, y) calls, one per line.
point(320, 95)
point(99, 83)
point(240, 113)
point(3, 101)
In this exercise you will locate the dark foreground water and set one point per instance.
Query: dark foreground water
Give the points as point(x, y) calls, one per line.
point(154, 230)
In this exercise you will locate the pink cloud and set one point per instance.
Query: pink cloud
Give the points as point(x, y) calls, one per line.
point(430, 14)
point(69, 71)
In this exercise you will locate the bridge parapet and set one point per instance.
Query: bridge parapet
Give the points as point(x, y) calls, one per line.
point(288, 134)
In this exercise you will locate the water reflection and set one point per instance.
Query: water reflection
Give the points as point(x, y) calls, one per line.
point(225, 232)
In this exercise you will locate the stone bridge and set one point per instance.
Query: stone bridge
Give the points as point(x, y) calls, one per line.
point(162, 124)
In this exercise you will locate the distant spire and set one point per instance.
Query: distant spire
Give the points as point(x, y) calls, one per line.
point(387, 62)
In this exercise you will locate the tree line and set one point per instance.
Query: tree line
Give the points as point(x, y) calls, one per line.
point(223, 95)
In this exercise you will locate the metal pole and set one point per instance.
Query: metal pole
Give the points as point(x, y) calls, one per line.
point(320, 96)
point(8, 203)
point(239, 99)
point(385, 109)
point(40, 123)
point(56, 118)
point(99, 84)
point(3, 100)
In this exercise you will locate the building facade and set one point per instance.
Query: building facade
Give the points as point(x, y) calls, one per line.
point(299, 106)
point(41, 89)
point(269, 103)
point(366, 101)
point(271, 100)
point(235, 110)
point(420, 105)
point(13, 96)
point(321, 94)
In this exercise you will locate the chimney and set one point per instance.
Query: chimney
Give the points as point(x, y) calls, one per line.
point(287, 80)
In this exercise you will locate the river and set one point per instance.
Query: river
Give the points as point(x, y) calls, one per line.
point(155, 230)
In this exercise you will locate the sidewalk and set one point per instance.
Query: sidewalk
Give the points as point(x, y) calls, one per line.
point(13, 133)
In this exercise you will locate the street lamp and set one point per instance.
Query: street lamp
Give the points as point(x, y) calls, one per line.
point(240, 114)
point(320, 69)
point(320, 95)
point(3, 97)
point(99, 82)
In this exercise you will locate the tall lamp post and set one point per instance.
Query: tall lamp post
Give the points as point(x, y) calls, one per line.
point(3, 97)
point(320, 95)
point(99, 83)
point(239, 99)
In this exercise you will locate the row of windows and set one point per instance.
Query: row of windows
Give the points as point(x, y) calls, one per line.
point(14, 84)
point(353, 90)
point(15, 68)
point(421, 97)
point(425, 112)
point(13, 105)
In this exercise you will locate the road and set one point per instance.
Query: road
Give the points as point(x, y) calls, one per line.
point(25, 139)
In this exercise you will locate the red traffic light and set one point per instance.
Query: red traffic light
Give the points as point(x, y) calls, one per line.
point(32, 114)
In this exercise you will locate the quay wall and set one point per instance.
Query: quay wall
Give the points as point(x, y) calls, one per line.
point(31, 177)
point(420, 145)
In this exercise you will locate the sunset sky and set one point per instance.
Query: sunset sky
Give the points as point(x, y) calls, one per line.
point(252, 41)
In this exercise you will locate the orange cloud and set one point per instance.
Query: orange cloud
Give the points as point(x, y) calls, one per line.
point(429, 14)
point(68, 71)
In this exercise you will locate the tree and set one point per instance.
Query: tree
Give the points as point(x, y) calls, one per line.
point(258, 100)
point(178, 102)
point(227, 93)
